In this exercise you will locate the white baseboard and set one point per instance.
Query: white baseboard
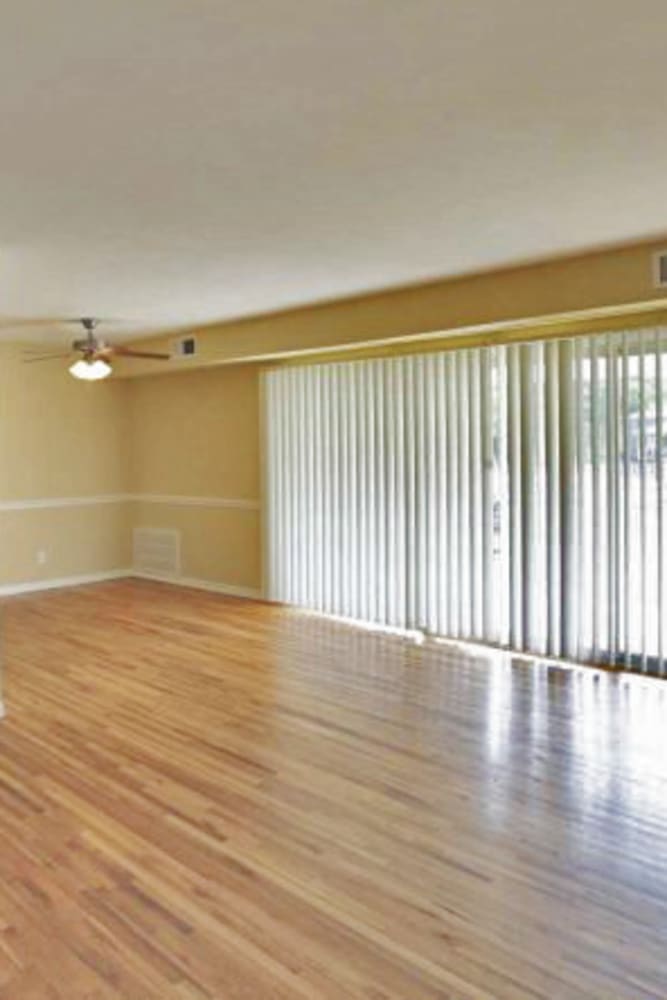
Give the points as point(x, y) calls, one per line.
point(55, 583)
point(230, 589)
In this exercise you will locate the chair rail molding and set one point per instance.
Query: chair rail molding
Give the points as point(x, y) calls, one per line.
point(166, 499)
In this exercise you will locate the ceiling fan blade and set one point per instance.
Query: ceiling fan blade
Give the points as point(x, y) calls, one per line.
point(127, 352)
point(46, 357)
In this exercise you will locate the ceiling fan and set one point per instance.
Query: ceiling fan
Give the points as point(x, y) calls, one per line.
point(96, 355)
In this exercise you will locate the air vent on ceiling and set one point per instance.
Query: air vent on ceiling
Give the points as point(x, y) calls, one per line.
point(186, 347)
point(157, 550)
point(660, 269)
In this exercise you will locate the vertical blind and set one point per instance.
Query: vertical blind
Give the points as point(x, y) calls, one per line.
point(511, 494)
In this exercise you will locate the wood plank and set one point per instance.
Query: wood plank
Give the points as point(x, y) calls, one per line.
point(209, 799)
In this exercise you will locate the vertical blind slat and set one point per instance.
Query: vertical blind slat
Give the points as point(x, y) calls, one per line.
point(581, 639)
point(376, 501)
point(442, 497)
point(395, 403)
point(453, 496)
point(513, 494)
point(612, 488)
point(642, 499)
point(514, 452)
point(501, 513)
point(568, 499)
point(421, 495)
point(627, 504)
point(338, 402)
point(659, 438)
point(325, 408)
point(464, 493)
point(487, 625)
point(315, 514)
point(596, 496)
point(432, 520)
point(476, 514)
point(529, 491)
point(552, 426)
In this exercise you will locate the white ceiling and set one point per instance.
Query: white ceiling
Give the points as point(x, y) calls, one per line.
point(167, 162)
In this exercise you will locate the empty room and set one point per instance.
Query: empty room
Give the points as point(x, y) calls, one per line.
point(333, 500)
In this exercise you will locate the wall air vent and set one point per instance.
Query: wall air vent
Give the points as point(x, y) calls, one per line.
point(157, 551)
point(660, 269)
point(186, 347)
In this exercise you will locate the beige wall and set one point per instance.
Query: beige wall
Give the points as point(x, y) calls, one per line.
point(607, 283)
point(186, 446)
point(196, 433)
point(60, 440)
point(195, 436)
point(77, 541)
point(73, 453)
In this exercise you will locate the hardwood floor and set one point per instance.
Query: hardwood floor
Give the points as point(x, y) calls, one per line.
point(208, 798)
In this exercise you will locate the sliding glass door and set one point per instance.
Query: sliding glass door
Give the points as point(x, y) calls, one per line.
point(511, 494)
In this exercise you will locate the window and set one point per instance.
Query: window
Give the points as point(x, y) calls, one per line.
point(510, 494)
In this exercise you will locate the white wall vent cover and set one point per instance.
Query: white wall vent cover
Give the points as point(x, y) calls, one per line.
point(660, 269)
point(157, 550)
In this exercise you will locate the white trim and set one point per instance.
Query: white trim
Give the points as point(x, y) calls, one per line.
point(55, 583)
point(40, 503)
point(231, 589)
point(184, 501)
point(43, 503)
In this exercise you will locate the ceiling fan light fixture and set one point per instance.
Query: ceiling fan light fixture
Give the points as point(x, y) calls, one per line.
point(90, 371)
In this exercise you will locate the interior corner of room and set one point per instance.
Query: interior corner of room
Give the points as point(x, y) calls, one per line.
point(87, 466)
point(161, 471)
